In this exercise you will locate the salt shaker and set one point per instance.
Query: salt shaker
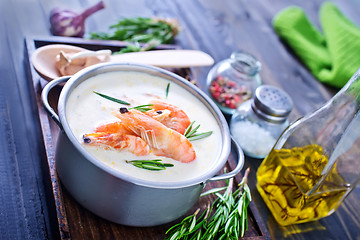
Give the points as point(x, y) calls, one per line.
point(233, 81)
point(258, 122)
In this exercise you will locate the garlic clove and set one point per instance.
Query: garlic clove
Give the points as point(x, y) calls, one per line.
point(69, 64)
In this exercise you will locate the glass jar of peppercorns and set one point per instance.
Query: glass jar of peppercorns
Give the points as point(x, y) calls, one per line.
point(234, 80)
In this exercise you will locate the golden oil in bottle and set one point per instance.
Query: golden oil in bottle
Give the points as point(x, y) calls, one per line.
point(286, 178)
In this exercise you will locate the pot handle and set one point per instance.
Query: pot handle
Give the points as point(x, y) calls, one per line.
point(238, 167)
point(44, 98)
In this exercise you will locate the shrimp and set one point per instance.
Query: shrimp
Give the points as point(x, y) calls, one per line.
point(113, 127)
point(162, 140)
point(118, 141)
point(171, 116)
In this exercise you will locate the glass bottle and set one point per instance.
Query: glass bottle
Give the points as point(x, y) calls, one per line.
point(234, 80)
point(315, 163)
point(257, 123)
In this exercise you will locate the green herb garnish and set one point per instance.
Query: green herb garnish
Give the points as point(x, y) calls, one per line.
point(189, 226)
point(167, 90)
point(192, 134)
point(143, 108)
point(228, 221)
point(112, 99)
point(150, 31)
point(153, 165)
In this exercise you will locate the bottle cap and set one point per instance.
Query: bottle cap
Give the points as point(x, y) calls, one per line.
point(272, 104)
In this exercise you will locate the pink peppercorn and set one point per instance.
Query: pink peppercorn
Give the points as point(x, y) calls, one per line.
point(228, 93)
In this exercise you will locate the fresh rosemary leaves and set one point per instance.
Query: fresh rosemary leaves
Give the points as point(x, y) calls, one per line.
point(141, 108)
point(112, 99)
point(192, 134)
point(150, 31)
point(167, 90)
point(153, 165)
point(226, 218)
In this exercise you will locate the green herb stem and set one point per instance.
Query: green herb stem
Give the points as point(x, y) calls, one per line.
point(167, 90)
point(192, 134)
point(225, 219)
point(150, 31)
point(111, 98)
point(153, 165)
point(199, 136)
point(143, 108)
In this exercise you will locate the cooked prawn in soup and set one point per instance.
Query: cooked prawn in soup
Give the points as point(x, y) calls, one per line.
point(150, 127)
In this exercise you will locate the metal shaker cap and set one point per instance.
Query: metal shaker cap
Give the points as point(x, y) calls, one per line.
point(272, 104)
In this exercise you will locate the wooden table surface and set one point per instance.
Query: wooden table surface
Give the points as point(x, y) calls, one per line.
point(217, 27)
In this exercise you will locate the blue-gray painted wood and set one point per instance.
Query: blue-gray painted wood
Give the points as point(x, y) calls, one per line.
point(214, 26)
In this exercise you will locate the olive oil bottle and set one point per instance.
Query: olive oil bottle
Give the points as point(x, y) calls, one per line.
point(315, 163)
point(287, 175)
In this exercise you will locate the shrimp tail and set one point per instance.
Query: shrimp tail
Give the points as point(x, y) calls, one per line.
point(118, 141)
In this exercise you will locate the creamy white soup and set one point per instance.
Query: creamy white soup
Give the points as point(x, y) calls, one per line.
point(86, 110)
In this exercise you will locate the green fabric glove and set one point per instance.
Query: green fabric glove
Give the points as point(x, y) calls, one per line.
point(332, 57)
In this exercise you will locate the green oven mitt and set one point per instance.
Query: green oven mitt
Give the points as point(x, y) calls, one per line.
point(332, 56)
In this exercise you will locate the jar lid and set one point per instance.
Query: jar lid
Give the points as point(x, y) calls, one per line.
point(271, 103)
point(245, 62)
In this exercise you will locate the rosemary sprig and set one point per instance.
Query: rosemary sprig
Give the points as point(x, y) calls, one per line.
point(153, 165)
point(228, 220)
point(111, 98)
point(167, 90)
point(192, 134)
point(150, 31)
point(137, 47)
point(143, 108)
point(189, 225)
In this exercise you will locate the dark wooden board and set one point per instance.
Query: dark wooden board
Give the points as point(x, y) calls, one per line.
point(74, 221)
